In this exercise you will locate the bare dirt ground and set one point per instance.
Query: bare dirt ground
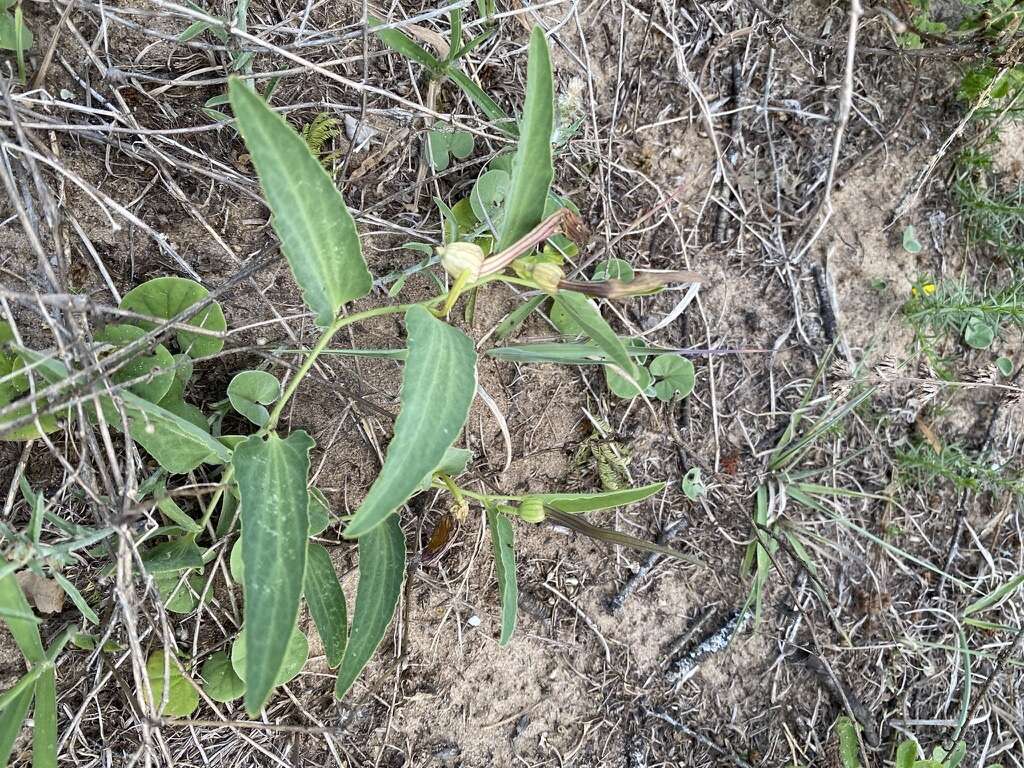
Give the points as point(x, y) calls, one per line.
point(705, 143)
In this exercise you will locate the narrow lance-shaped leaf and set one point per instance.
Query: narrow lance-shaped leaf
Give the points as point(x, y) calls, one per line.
point(326, 602)
point(272, 476)
point(381, 570)
point(597, 328)
point(437, 388)
point(574, 503)
point(318, 235)
point(532, 169)
point(503, 543)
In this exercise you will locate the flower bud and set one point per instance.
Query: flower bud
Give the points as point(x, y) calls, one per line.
point(547, 277)
point(531, 510)
point(456, 258)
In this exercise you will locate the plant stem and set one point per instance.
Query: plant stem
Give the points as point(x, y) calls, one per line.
point(314, 353)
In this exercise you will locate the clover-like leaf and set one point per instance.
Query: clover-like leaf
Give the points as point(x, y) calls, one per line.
point(250, 391)
point(621, 387)
point(220, 681)
point(296, 652)
point(159, 366)
point(443, 145)
point(673, 374)
point(182, 697)
point(167, 297)
point(1005, 366)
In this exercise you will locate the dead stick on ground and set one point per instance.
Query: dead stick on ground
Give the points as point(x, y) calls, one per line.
point(842, 120)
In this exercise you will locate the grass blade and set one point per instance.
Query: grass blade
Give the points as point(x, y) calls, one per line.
point(398, 41)
point(326, 602)
point(849, 748)
point(580, 525)
point(503, 542)
point(486, 104)
point(995, 596)
point(381, 570)
point(272, 476)
point(437, 388)
point(13, 716)
point(532, 170)
point(317, 232)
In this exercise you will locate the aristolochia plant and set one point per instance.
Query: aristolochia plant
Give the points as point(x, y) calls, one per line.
point(264, 500)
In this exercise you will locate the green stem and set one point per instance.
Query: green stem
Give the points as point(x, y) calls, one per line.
point(314, 353)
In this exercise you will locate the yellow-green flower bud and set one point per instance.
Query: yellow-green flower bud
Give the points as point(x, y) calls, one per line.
point(531, 510)
point(456, 258)
point(547, 277)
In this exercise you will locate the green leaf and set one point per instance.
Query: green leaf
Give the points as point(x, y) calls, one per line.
point(1004, 366)
point(319, 512)
point(503, 543)
point(220, 681)
point(849, 748)
point(317, 233)
point(25, 628)
point(76, 597)
point(453, 464)
point(595, 326)
point(517, 317)
point(485, 103)
point(12, 388)
point(910, 241)
point(995, 595)
point(614, 269)
point(160, 364)
point(272, 476)
point(906, 754)
point(182, 698)
point(326, 602)
point(11, 722)
point(692, 485)
point(178, 445)
point(438, 385)
point(404, 45)
point(444, 144)
point(44, 718)
point(14, 36)
point(185, 599)
point(622, 387)
point(575, 503)
point(978, 332)
point(174, 399)
point(296, 652)
point(173, 555)
point(487, 198)
point(167, 297)
point(532, 169)
point(673, 375)
point(250, 391)
point(381, 570)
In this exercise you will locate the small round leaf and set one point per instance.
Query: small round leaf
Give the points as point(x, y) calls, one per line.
point(219, 679)
point(979, 333)
point(1005, 366)
point(166, 297)
point(488, 196)
point(674, 375)
point(182, 697)
point(185, 599)
point(250, 391)
point(620, 386)
point(910, 241)
point(295, 656)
